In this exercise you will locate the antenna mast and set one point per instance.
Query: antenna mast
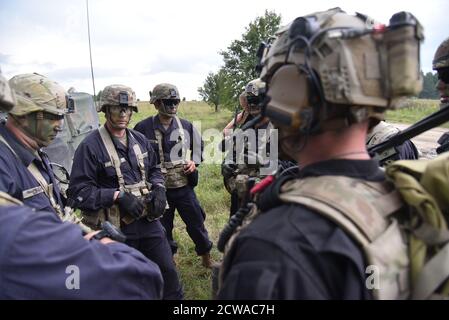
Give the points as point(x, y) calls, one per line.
point(90, 51)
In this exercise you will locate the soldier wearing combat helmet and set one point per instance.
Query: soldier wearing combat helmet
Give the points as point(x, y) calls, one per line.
point(440, 64)
point(330, 77)
point(36, 246)
point(236, 173)
point(179, 159)
point(115, 178)
point(33, 123)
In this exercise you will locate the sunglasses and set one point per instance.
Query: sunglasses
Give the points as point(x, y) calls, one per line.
point(170, 102)
point(253, 100)
point(443, 75)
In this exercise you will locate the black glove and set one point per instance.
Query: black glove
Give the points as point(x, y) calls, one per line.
point(227, 170)
point(130, 204)
point(156, 202)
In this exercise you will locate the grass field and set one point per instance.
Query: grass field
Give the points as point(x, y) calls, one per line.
point(211, 194)
point(214, 198)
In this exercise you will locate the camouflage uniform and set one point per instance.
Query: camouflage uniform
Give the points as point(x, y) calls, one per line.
point(105, 165)
point(236, 175)
point(316, 233)
point(173, 155)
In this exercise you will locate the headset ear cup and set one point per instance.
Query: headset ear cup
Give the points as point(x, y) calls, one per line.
point(289, 97)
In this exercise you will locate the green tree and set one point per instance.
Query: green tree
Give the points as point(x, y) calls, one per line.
point(240, 57)
point(240, 60)
point(429, 90)
point(215, 89)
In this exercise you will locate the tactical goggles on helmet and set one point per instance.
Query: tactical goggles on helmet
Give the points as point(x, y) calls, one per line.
point(170, 102)
point(443, 74)
point(119, 109)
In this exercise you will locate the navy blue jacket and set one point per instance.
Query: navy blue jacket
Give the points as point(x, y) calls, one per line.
point(39, 254)
point(92, 184)
point(171, 137)
point(15, 177)
point(291, 252)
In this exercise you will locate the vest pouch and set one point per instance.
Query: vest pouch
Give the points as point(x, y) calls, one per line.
point(175, 177)
point(92, 219)
point(113, 215)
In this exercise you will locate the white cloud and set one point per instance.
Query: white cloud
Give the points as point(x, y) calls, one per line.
point(142, 43)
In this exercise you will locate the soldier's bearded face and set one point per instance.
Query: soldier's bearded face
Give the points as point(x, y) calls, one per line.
point(443, 84)
point(119, 116)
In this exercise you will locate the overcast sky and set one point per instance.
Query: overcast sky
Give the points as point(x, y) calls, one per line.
point(142, 43)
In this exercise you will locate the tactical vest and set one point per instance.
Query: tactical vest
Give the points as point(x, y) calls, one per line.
point(365, 211)
point(140, 189)
point(244, 171)
point(173, 171)
point(44, 186)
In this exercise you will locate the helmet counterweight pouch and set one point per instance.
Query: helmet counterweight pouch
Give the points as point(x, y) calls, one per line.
point(402, 42)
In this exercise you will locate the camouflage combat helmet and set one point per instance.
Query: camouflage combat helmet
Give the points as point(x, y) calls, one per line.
point(164, 91)
point(441, 58)
point(7, 98)
point(117, 95)
point(254, 87)
point(334, 61)
point(35, 92)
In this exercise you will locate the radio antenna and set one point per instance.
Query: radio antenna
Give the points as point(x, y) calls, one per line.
point(90, 51)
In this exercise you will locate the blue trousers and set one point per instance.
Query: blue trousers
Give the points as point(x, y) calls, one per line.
point(154, 246)
point(184, 200)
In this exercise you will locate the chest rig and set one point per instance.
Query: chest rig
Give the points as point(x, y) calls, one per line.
point(140, 189)
point(173, 171)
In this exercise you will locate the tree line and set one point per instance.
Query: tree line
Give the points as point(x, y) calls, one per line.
point(222, 88)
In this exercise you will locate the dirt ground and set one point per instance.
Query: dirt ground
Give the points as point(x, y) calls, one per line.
point(427, 141)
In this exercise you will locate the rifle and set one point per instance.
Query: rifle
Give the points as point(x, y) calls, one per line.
point(431, 121)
